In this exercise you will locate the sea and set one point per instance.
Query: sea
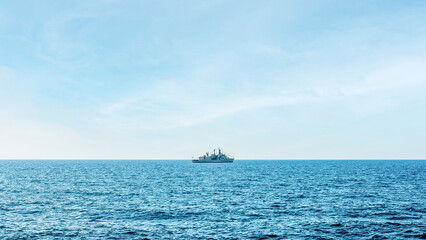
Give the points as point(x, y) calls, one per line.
point(176, 199)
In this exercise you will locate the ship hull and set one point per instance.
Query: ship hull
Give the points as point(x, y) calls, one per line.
point(213, 161)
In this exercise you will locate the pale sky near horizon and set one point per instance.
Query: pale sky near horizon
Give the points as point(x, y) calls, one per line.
point(174, 79)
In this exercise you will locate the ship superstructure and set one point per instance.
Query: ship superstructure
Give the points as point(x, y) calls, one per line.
point(221, 157)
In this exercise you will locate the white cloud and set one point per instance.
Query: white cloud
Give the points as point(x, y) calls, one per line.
point(393, 77)
point(169, 105)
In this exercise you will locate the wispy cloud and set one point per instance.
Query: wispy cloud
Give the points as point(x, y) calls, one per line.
point(393, 77)
point(187, 105)
point(62, 42)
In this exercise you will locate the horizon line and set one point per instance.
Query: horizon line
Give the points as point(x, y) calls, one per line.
point(173, 159)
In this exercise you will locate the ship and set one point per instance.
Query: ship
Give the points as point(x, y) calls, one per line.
point(221, 157)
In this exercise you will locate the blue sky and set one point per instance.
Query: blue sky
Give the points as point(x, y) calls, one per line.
point(173, 79)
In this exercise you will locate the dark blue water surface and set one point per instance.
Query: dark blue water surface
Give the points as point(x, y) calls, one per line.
point(182, 200)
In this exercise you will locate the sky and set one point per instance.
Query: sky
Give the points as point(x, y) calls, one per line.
point(123, 79)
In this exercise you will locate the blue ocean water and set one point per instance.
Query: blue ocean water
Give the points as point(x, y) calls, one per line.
point(182, 200)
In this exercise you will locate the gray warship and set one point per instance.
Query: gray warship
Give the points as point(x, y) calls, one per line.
point(221, 157)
